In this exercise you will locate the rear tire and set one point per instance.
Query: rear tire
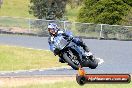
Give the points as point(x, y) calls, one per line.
point(93, 64)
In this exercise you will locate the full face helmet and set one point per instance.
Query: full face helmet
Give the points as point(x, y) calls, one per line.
point(53, 29)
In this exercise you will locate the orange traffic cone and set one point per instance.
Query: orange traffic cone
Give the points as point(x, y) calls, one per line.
point(81, 71)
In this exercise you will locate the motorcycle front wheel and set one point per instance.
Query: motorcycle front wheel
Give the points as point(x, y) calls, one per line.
point(71, 59)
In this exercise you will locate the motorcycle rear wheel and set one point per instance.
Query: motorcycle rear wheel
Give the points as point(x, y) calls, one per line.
point(93, 63)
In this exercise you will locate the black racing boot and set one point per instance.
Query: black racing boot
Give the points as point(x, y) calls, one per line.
point(84, 46)
point(80, 43)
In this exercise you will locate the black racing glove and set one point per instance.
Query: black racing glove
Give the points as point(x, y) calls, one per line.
point(64, 34)
point(56, 51)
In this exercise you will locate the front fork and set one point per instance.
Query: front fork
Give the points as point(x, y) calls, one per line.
point(81, 54)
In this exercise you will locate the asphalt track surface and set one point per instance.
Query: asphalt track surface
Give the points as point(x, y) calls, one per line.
point(117, 55)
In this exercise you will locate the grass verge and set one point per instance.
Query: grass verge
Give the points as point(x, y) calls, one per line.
point(18, 58)
point(62, 82)
point(20, 8)
point(73, 84)
point(15, 8)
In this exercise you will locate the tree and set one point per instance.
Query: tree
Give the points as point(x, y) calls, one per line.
point(129, 2)
point(104, 11)
point(1, 1)
point(48, 9)
point(74, 3)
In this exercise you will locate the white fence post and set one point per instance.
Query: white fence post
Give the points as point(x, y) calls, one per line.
point(65, 25)
point(100, 36)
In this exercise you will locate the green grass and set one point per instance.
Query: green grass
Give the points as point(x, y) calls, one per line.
point(15, 8)
point(73, 84)
point(20, 8)
point(17, 58)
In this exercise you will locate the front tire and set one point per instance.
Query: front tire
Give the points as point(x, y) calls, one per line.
point(70, 62)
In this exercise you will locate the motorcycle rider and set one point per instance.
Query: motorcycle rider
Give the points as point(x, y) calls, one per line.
point(55, 31)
